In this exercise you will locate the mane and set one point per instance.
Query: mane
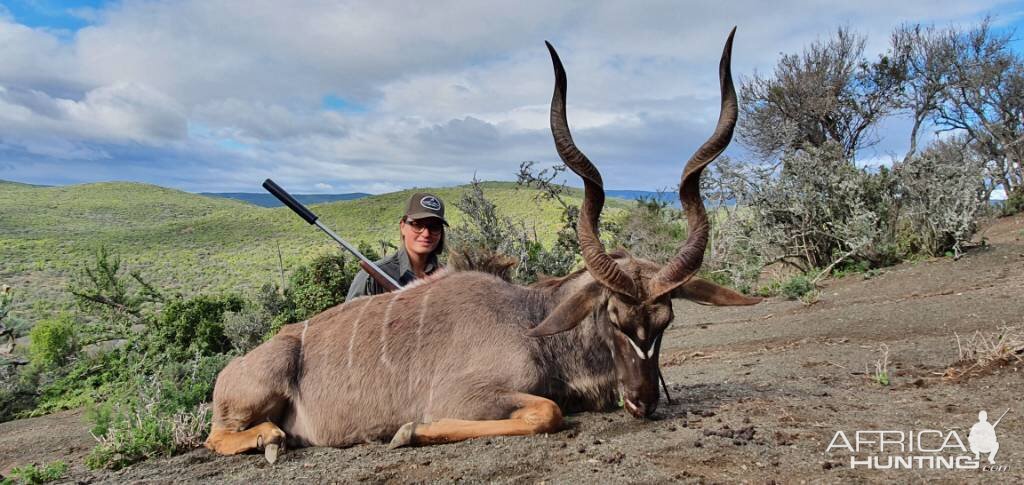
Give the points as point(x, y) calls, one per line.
point(432, 277)
point(482, 260)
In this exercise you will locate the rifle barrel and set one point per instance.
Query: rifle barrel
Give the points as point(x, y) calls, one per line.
point(312, 218)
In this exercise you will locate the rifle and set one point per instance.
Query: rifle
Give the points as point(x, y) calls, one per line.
point(382, 278)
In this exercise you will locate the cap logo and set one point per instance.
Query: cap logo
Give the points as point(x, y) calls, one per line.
point(431, 202)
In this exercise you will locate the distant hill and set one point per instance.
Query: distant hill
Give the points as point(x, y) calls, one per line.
point(671, 197)
point(189, 243)
point(267, 200)
point(10, 183)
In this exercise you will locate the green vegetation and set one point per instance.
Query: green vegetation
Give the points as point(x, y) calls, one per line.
point(1014, 204)
point(796, 287)
point(34, 474)
point(53, 342)
point(188, 244)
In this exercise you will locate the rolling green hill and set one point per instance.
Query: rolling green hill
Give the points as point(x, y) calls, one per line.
point(191, 243)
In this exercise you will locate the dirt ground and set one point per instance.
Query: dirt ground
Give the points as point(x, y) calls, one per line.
point(759, 393)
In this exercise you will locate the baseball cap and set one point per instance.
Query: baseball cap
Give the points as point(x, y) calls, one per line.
point(423, 206)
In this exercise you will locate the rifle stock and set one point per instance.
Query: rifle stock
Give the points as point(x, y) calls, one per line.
point(375, 273)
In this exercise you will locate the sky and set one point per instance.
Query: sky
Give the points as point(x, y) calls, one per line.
point(378, 96)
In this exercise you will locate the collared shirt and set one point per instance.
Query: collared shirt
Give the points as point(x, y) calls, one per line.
point(396, 266)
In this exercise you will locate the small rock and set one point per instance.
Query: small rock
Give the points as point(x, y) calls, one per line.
point(581, 449)
point(698, 444)
point(614, 458)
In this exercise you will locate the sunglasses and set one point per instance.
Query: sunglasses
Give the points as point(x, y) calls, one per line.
point(435, 227)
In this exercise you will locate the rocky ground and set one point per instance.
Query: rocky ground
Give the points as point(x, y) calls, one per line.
point(759, 393)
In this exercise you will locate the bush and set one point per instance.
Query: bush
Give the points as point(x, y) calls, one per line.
point(196, 323)
point(320, 285)
point(796, 287)
point(651, 230)
point(162, 415)
point(943, 193)
point(1014, 204)
point(247, 327)
point(139, 435)
point(54, 342)
point(35, 474)
point(487, 237)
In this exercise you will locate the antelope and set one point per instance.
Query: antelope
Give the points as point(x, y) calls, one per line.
point(462, 355)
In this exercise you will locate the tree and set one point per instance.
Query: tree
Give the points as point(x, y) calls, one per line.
point(926, 55)
point(984, 97)
point(827, 93)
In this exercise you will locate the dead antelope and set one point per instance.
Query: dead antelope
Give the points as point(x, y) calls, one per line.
point(466, 354)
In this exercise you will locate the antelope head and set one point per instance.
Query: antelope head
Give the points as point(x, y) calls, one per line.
point(630, 296)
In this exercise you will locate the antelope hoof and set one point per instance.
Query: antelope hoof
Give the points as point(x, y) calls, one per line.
point(271, 451)
point(404, 436)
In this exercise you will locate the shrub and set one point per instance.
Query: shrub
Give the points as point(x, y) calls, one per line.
point(140, 435)
point(486, 237)
point(1014, 204)
point(54, 342)
point(650, 230)
point(35, 474)
point(797, 286)
point(320, 285)
point(191, 427)
point(247, 327)
point(943, 192)
point(163, 413)
point(196, 323)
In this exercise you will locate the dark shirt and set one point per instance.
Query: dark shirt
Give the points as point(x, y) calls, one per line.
point(396, 266)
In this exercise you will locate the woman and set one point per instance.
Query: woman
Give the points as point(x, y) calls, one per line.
point(422, 229)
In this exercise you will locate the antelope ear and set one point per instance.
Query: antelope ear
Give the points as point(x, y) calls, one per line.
point(707, 293)
point(569, 313)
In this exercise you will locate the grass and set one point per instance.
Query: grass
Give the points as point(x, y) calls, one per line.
point(187, 243)
point(986, 351)
point(881, 374)
point(33, 474)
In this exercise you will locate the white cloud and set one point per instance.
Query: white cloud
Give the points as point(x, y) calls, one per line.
point(437, 90)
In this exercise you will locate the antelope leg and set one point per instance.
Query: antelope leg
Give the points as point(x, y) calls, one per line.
point(534, 415)
point(267, 436)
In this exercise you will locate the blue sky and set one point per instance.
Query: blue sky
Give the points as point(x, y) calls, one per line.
point(378, 96)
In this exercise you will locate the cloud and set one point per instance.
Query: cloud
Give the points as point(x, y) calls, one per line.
point(118, 113)
point(205, 95)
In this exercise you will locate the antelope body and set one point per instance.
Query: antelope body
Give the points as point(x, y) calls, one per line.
point(466, 354)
